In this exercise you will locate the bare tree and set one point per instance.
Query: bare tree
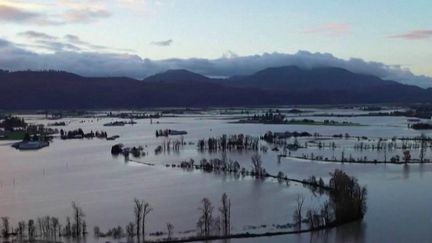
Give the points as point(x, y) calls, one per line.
point(130, 229)
point(170, 229)
point(225, 211)
point(84, 227)
point(216, 225)
point(5, 227)
point(40, 226)
point(138, 211)
point(55, 225)
point(78, 215)
point(31, 230)
point(257, 164)
point(422, 147)
point(146, 211)
point(297, 216)
point(406, 156)
point(68, 228)
point(21, 229)
point(206, 217)
point(326, 213)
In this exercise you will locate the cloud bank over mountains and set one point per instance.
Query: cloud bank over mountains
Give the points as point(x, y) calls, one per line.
point(75, 55)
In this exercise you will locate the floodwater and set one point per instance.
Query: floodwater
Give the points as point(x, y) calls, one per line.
point(45, 182)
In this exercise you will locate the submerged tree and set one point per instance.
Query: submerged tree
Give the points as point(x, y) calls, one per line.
point(297, 216)
point(130, 229)
point(21, 229)
point(347, 197)
point(55, 225)
point(138, 211)
point(170, 230)
point(257, 168)
point(146, 211)
point(327, 213)
point(406, 156)
point(5, 227)
point(206, 218)
point(78, 215)
point(31, 229)
point(225, 211)
point(68, 228)
point(422, 147)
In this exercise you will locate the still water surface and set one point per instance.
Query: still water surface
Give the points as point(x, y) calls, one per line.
point(45, 182)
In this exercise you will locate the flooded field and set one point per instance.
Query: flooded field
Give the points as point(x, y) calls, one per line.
point(45, 182)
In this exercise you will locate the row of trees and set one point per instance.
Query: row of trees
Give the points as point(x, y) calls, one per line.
point(79, 133)
point(232, 142)
point(281, 137)
point(141, 210)
point(208, 223)
point(169, 145)
point(47, 228)
point(215, 164)
point(11, 122)
point(406, 158)
point(270, 117)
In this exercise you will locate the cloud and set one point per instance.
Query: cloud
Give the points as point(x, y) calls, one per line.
point(77, 41)
point(39, 40)
point(73, 39)
point(414, 35)
point(85, 15)
point(51, 16)
point(10, 14)
point(98, 63)
point(331, 29)
point(36, 35)
point(162, 43)
point(13, 14)
point(57, 46)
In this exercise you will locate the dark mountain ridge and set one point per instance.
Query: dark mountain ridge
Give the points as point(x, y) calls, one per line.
point(181, 88)
point(295, 78)
point(177, 76)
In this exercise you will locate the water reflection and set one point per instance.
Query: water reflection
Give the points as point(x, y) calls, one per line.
point(103, 183)
point(421, 169)
point(406, 171)
point(353, 232)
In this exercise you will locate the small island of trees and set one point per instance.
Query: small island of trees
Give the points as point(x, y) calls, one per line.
point(276, 117)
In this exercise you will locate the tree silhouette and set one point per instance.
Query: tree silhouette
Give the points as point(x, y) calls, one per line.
point(138, 211)
point(347, 197)
point(206, 218)
point(225, 211)
point(297, 216)
point(147, 209)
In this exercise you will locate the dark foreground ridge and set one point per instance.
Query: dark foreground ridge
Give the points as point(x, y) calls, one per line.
point(180, 88)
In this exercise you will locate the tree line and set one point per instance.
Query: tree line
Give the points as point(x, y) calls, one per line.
point(346, 203)
point(47, 228)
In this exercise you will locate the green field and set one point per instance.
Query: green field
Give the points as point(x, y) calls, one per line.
point(19, 135)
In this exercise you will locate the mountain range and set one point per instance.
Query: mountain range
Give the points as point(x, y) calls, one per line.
point(288, 85)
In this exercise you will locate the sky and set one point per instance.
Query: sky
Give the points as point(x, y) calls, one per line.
point(388, 38)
